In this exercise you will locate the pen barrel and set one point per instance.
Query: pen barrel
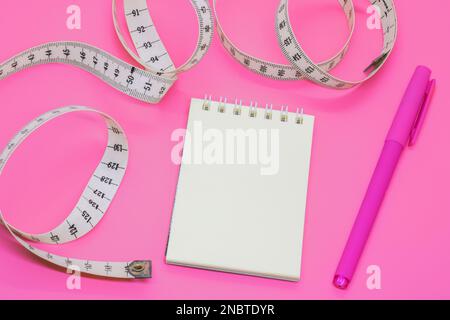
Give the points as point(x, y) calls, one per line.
point(369, 208)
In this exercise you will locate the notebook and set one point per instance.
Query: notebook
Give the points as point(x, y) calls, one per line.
point(242, 187)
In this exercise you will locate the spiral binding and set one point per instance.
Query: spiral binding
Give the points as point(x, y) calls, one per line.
point(254, 110)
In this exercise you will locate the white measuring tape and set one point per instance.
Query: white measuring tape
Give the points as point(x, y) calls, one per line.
point(92, 205)
point(301, 66)
point(149, 84)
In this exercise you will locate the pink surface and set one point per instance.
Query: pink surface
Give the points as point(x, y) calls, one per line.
point(42, 183)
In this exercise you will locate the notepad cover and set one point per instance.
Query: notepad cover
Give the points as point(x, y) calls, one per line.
point(232, 217)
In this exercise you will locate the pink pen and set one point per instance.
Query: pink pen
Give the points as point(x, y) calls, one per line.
point(404, 130)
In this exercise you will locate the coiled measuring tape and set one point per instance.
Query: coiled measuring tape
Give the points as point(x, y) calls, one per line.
point(149, 84)
point(91, 207)
point(301, 66)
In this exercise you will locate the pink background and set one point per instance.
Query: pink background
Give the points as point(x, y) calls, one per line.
point(45, 177)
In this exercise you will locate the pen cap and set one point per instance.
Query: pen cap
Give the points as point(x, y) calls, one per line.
point(410, 106)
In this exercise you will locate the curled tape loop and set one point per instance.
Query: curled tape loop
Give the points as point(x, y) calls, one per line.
point(151, 51)
point(301, 66)
point(92, 205)
point(149, 84)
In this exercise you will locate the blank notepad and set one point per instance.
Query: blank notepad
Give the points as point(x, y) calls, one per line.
point(241, 195)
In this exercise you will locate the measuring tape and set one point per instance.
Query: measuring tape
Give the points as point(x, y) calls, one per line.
point(301, 66)
point(149, 84)
point(92, 205)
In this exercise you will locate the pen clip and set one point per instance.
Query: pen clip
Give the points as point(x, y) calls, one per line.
point(422, 113)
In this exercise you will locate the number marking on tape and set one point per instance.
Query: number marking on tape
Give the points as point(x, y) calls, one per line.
point(149, 83)
point(90, 208)
point(301, 66)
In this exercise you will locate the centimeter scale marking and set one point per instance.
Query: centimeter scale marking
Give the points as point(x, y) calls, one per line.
point(133, 81)
point(150, 83)
point(301, 66)
point(150, 48)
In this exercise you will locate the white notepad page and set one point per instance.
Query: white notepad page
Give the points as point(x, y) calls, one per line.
point(244, 215)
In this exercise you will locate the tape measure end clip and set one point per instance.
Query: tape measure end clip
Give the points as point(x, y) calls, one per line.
point(376, 63)
point(140, 269)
